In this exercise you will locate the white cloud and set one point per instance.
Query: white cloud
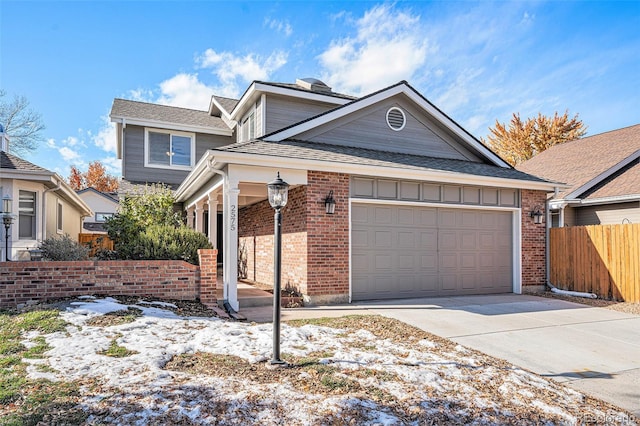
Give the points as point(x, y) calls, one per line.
point(283, 27)
point(231, 69)
point(113, 165)
point(69, 155)
point(388, 47)
point(105, 139)
point(186, 91)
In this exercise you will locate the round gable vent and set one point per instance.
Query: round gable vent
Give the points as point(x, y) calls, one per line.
point(396, 119)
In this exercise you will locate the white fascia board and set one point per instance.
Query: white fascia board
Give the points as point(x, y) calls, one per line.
point(30, 175)
point(277, 90)
point(173, 126)
point(220, 108)
point(381, 171)
point(193, 178)
point(611, 200)
point(604, 175)
point(71, 195)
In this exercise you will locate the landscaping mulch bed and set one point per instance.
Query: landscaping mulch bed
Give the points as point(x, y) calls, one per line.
point(626, 307)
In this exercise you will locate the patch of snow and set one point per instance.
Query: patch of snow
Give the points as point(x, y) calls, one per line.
point(158, 303)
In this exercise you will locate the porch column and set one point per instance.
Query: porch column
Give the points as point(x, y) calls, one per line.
point(230, 217)
point(199, 210)
point(190, 217)
point(213, 219)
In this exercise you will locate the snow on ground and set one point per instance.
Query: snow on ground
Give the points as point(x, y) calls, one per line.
point(451, 384)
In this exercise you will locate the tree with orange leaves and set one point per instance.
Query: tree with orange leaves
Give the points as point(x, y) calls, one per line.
point(95, 177)
point(521, 140)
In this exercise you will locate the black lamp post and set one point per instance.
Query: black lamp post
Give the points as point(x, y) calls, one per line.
point(7, 219)
point(278, 194)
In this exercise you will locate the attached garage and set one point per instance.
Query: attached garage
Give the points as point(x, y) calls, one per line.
point(422, 251)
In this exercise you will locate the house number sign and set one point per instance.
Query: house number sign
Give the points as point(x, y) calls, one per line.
point(233, 217)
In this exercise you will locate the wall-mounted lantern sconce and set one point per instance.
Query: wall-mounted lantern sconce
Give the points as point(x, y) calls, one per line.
point(330, 203)
point(536, 214)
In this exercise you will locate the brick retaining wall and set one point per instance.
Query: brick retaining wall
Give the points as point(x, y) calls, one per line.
point(22, 282)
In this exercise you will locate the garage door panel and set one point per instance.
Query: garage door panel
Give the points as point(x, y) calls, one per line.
point(428, 240)
point(406, 240)
point(382, 263)
point(382, 215)
point(382, 239)
point(428, 218)
point(413, 251)
point(360, 238)
point(405, 217)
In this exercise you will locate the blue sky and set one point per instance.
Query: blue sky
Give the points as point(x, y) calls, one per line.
point(477, 61)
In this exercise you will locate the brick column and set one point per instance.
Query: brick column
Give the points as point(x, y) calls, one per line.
point(208, 276)
point(534, 241)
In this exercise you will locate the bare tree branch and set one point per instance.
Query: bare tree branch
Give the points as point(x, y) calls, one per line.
point(22, 125)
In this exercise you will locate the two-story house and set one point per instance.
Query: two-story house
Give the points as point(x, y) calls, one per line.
point(422, 207)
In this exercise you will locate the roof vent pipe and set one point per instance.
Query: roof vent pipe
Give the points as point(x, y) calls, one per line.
point(313, 84)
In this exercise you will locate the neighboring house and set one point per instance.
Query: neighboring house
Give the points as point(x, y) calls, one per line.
point(43, 205)
point(103, 204)
point(603, 177)
point(423, 208)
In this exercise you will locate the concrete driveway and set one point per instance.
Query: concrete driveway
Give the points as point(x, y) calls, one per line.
point(593, 350)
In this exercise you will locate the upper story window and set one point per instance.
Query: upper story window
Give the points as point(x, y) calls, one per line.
point(169, 149)
point(248, 127)
point(27, 215)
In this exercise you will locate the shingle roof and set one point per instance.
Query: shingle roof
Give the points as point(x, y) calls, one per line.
point(577, 162)
point(227, 103)
point(167, 114)
point(10, 161)
point(350, 155)
point(625, 183)
point(302, 89)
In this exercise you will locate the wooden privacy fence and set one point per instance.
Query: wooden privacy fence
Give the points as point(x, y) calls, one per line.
point(600, 259)
point(96, 242)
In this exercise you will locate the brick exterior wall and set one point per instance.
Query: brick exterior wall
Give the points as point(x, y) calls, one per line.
point(255, 241)
point(327, 238)
point(23, 282)
point(533, 241)
point(315, 245)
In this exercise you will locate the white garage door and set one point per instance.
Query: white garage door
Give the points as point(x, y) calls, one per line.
point(409, 251)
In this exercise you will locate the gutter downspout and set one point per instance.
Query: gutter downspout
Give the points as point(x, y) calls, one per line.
point(44, 208)
point(547, 261)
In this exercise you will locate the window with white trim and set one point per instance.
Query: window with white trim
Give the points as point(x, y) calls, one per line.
point(27, 215)
point(59, 218)
point(169, 149)
point(102, 217)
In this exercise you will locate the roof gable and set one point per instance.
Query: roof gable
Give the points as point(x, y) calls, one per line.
point(12, 162)
point(588, 162)
point(440, 124)
point(368, 128)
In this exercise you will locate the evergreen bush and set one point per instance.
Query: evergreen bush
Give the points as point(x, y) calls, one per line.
point(63, 248)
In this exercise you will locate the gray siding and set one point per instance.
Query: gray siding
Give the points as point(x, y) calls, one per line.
point(282, 112)
point(133, 168)
point(388, 189)
point(368, 128)
point(609, 214)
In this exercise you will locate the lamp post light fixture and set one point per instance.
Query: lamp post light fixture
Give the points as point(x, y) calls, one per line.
point(536, 214)
point(330, 203)
point(278, 194)
point(7, 219)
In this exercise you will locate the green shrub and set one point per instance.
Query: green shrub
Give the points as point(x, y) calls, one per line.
point(63, 248)
point(168, 242)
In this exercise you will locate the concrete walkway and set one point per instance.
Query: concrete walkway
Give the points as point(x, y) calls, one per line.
point(593, 350)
